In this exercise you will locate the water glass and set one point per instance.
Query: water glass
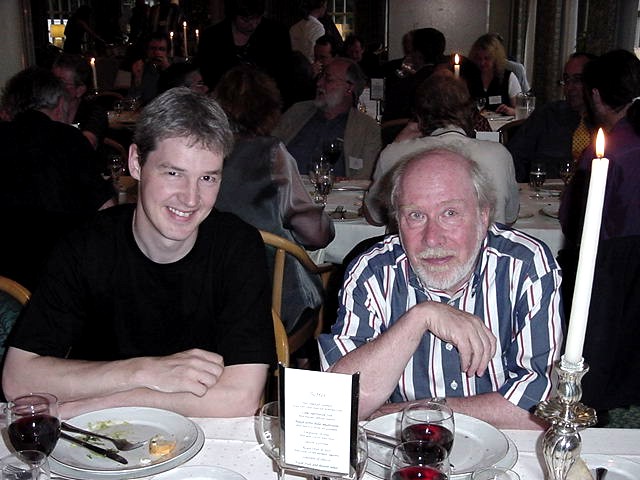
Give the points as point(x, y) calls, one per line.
point(25, 465)
point(495, 473)
point(566, 171)
point(322, 178)
point(269, 433)
point(481, 103)
point(537, 176)
point(419, 459)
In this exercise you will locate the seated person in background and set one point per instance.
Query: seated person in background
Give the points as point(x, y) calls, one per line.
point(160, 304)
point(75, 73)
point(556, 131)
point(454, 306)
point(324, 52)
point(426, 53)
point(308, 126)
point(145, 73)
point(262, 184)
point(52, 178)
point(185, 74)
point(495, 83)
point(445, 112)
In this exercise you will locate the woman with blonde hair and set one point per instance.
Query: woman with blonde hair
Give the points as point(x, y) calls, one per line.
point(497, 85)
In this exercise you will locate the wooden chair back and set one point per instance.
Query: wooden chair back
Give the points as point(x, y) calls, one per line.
point(508, 130)
point(13, 288)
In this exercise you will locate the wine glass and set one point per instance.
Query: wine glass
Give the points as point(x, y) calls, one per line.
point(333, 151)
point(270, 434)
point(566, 171)
point(419, 459)
point(34, 423)
point(481, 102)
point(537, 176)
point(322, 178)
point(25, 464)
point(116, 168)
point(431, 422)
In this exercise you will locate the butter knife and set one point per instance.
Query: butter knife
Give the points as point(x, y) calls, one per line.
point(94, 448)
point(382, 438)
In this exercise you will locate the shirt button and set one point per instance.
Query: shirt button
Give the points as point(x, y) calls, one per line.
point(454, 385)
point(449, 347)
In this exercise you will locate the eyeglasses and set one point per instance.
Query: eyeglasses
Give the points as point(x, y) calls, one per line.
point(570, 79)
point(329, 79)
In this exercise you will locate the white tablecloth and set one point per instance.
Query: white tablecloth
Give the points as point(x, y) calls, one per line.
point(232, 443)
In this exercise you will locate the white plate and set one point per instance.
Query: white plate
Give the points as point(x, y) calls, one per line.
point(200, 472)
point(132, 423)
point(619, 468)
point(476, 445)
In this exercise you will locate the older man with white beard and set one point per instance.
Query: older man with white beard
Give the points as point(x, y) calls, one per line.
point(454, 306)
point(308, 127)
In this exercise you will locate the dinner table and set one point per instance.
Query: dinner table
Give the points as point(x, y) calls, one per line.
point(538, 217)
point(232, 443)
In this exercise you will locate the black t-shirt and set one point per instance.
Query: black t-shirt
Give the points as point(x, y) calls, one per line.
point(103, 299)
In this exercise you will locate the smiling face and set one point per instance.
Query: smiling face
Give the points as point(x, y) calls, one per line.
point(178, 186)
point(441, 223)
point(334, 92)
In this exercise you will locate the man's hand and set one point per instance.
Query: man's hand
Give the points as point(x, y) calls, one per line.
point(193, 371)
point(474, 341)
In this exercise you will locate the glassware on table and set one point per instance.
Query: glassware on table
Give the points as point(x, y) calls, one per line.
point(269, 433)
point(430, 422)
point(418, 459)
point(481, 103)
point(361, 460)
point(566, 171)
point(25, 465)
point(321, 176)
point(34, 423)
point(116, 168)
point(537, 176)
point(333, 151)
point(495, 473)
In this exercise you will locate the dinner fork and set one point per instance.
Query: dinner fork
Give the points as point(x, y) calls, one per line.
point(120, 443)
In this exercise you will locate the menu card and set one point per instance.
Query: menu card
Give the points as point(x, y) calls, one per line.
point(320, 412)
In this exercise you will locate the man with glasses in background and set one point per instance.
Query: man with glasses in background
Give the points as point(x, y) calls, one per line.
point(308, 127)
point(558, 131)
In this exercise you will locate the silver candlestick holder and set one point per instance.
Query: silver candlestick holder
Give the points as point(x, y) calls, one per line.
point(561, 444)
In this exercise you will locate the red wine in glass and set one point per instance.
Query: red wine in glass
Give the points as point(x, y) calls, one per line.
point(432, 433)
point(418, 472)
point(35, 432)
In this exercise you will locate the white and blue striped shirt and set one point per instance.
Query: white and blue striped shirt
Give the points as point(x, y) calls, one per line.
point(515, 290)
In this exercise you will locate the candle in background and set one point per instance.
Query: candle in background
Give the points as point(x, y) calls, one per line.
point(93, 73)
point(197, 36)
point(587, 258)
point(456, 66)
point(171, 46)
point(184, 38)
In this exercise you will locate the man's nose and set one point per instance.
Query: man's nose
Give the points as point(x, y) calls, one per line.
point(432, 234)
point(190, 193)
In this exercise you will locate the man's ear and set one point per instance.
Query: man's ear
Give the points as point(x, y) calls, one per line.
point(134, 162)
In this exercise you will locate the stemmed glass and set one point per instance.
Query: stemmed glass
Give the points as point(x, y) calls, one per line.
point(537, 176)
point(430, 422)
point(333, 151)
point(116, 168)
point(419, 459)
point(481, 102)
point(566, 171)
point(321, 175)
point(269, 433)
point(25, 464)
point(34, 423)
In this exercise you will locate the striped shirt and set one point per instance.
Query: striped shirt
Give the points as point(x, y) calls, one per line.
point(514, 289)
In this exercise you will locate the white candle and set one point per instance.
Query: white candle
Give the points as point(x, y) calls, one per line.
point(171, 46)
point(184, 38)
point(588, 252)
point(456, 66)
point(197, 36)
point(93, 73)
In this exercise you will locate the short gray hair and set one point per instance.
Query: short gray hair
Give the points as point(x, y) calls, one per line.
point(355, 76)
point(480, 181)
point(34, 88)
point(182, 113)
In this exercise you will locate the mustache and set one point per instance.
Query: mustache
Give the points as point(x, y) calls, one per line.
point(431, 253)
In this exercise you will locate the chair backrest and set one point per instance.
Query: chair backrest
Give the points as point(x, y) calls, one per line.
point(310, 329)
point(508, 130)
point(13, 288)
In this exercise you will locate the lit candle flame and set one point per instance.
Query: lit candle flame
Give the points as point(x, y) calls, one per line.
point(171, 35)
point(600, 144)
point(184, 24)
point(93, 61)
point(456, 59)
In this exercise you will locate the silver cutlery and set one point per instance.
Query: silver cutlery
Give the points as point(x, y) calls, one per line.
point(94, 448)
point(120, 443)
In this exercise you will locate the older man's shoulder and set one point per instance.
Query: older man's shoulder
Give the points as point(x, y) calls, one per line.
point(504, 240)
